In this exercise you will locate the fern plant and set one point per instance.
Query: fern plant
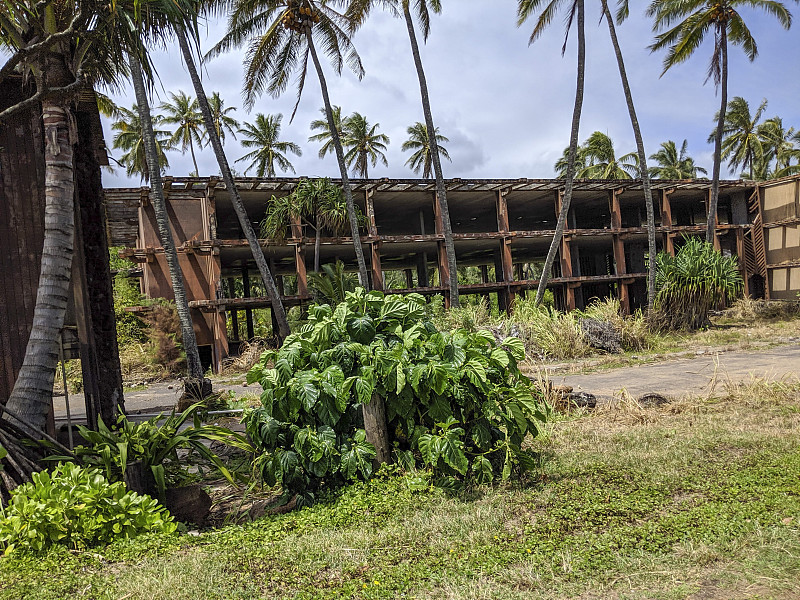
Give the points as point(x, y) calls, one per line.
point(455, 402)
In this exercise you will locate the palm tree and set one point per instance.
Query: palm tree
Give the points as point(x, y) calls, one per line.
point(358, 11)
point(129, 138)
point(741, 143)
point(673, 164)
point(526, 9)
point(263, 135)
point(641, 155)
point(324, 136)
point(417, 142)
point(563, 162)
point(778, 144)
point(318, 203)
point(194, 383)
point(602, 162)
point(216, 122)
point(687, 23)
point(365, 145)
point(219, 116)
point(184, 112)
point(282, 37)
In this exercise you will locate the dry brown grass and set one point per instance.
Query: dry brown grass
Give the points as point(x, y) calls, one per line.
point(249, 354)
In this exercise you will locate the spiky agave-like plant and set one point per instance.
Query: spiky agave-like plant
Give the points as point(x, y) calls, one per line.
point(691, 283)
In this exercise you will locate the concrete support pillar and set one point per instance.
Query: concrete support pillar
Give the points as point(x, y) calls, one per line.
point(234, 314)
point(247, 311)
point(506, 257)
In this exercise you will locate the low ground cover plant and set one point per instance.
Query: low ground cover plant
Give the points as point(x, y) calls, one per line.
point(455, 402)
point(77, 507)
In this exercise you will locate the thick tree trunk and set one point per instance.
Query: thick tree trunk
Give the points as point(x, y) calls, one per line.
point(194, 367)
point(375, 428)
point(32, 395)
point(363, 275)
point(236, 200)
point(441, 192)
point(712, 205)
point(573, 151)
point(99, 283)
point(643, 172)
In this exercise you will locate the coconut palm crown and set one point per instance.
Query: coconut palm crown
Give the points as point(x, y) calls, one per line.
point(364, 144)
point(419, 144)
point(129, 138)
point(269, 150)
point(277, 46)
point(674, 164)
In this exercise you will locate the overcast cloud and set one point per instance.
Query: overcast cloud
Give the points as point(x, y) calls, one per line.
point(506, 107)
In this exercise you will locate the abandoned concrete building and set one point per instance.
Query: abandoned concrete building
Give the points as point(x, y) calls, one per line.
point(502, 227)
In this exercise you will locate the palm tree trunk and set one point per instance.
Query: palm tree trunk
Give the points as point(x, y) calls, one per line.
point(643, 172)
point(363, 275)
point(194, 159)
point(236, 200)
point(441, 192)
point(573, 151)
point(194, 367)
point(712, 205)
point(317, 244)
point(32, 395)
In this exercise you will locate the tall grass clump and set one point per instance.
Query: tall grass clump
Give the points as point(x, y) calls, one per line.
point(547, 332)
point(691, 283)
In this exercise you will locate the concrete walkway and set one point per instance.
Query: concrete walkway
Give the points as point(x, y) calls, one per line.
point(672, 378)
point(688, 376)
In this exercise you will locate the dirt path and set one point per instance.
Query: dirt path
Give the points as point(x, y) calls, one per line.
point(695, 375)
point(672, 378)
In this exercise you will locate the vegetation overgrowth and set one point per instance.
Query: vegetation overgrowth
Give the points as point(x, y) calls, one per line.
point(167, 446)
point(695, 498)
point(455, 402)
point(77, 507)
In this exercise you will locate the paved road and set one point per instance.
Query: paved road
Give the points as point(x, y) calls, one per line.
point(672, 378)
point(679, 377)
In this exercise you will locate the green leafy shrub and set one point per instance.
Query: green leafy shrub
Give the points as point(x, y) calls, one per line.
point(156, 444)
point(455, 402)
point(691, 283)
point(130, 328)
point(77, 507)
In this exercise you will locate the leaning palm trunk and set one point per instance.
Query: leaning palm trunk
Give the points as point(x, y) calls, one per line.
point(363, 275)
point(573, 151)
point(32, 395)
point(711, 226)
point(441, 192)
point(193, 364)
point(236, 199)
point(643, 172)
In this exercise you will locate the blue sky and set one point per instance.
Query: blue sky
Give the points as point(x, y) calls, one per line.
point(505, 106)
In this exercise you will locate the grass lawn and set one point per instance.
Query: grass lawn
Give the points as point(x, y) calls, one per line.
point(693, 500)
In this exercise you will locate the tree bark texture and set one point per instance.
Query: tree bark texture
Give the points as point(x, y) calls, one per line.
point(643, 172)
point(99, 284)
point(363, 275)
point(573, 151)
point(32, 395)
point(236, 199)
point(711, 227)
point(375, 427)
point(194, 367)
point(441, 192)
